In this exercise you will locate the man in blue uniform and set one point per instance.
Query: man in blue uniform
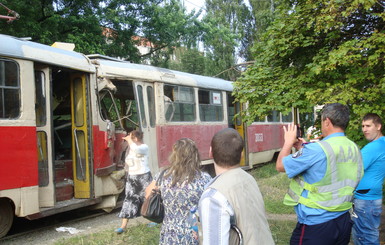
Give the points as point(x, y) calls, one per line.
point(323, 177)
point(368, 195)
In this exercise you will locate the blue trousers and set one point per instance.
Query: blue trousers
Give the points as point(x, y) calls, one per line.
point(366, 224)
point(333, 232)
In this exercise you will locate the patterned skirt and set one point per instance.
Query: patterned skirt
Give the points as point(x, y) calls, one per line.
point(135, 187)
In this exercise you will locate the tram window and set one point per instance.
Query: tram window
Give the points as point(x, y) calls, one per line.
point(260, 119)
point(42, 153)
point(151, 105)
point(230, 110)
point(288, 117)
point(40, 105)
point(9, 89)
point(273, 116)
point(141, 106)
point(126, 105)
point(78, 102)
point(179, 103)
point(108, 108)
point(210, 106)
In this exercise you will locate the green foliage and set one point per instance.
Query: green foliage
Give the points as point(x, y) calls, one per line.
point(50, 21)
point(263, 11)
point(191, 61)
point(228, 29)
point(85, 22)
point(318, 52)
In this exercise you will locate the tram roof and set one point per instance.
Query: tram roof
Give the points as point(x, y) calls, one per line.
point(19, 48)
point(121, 69)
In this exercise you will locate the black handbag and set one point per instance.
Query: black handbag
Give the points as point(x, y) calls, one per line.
point(152, 208)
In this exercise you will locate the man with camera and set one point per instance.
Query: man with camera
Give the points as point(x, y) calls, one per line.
point(323, 177)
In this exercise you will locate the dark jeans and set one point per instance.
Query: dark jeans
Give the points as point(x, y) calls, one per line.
point(334, 232)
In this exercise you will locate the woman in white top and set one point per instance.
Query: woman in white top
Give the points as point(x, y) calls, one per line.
point(137, 179)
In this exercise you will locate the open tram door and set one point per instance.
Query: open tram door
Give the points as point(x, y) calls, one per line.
point(44, 133)
point(145, 95)
point(80, 136)
point(235, 108)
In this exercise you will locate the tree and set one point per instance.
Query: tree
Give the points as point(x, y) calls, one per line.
point(263, 12)
point(190, 60)
point(317, 52)
point(228, 31)
point(86, 22)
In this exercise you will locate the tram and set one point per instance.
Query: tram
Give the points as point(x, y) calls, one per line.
point(63, 115)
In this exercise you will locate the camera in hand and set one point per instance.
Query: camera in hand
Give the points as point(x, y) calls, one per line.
point(299, 132)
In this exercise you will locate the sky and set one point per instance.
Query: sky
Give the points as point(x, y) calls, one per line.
point(193, 4)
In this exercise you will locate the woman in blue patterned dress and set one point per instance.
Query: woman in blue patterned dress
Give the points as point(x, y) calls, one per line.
point(181, 187)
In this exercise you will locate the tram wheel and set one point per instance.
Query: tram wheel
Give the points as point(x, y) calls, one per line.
point(6, 216)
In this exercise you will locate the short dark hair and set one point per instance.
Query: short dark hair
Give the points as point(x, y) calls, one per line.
point(374, 117)
point(226, 147)
point(337, 113)
point(138, 134)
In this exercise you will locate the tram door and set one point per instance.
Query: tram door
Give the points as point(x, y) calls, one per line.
point(238, 124)
point(80, 137)
point(146, 104)
point(44, 136)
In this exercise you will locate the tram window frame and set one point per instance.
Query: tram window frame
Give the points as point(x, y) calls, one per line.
point(179, 103)
point(9, 89)
point(210, 105)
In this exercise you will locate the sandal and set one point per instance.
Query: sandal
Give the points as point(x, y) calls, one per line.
point(119, 230)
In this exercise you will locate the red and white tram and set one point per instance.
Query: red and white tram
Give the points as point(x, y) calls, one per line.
point(63, 115)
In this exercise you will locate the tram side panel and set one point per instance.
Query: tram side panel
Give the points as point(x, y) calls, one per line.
point(18, 156)
point(201, 134)
point(264, 141)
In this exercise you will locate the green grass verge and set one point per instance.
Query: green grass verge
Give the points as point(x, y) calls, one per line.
point(281, 230)
point(140, 234)
point(144, 235)
point(273, 186)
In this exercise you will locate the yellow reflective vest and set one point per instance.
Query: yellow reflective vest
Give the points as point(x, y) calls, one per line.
point(334, 192)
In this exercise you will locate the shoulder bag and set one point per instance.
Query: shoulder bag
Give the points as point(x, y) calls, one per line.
point(152, 208)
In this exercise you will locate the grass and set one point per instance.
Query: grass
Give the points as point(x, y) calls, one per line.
point(140, 234)
point(272, 184)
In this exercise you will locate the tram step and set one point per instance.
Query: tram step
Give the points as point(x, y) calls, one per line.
point(64, 190)
point(63, 170)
